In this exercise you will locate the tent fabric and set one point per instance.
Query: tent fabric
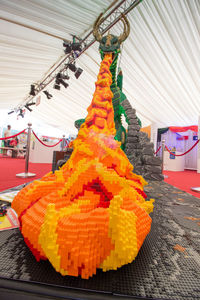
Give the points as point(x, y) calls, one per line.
point(159, 60)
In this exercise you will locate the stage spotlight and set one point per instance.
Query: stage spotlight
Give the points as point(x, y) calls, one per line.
point(48, 95)
point(76, 47)
point(57, 82)
point(27, 105)
point(28, 108)
point(58, 76)
point(56, 86)
point(68, 47)
point(11, 112)
point(30, 104)
point(65, 84)
point(78, 73)
point(32, 91)
point(65, 76)
point(72, 67)
point(21, 113)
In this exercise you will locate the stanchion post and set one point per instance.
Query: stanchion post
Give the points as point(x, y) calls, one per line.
point(163, 153)
point(62, 143)
point(27, 174)
point(28, 147)
point(163, 149)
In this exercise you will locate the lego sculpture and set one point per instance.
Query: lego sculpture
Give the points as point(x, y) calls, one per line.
point(91, 213)
point(111, 43)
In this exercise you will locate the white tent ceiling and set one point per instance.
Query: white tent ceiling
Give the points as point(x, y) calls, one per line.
point(160, 58)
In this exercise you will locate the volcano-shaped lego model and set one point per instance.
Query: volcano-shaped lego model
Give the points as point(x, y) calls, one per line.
point(91, 213)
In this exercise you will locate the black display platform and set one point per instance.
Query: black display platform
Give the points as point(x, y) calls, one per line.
point(160, 271)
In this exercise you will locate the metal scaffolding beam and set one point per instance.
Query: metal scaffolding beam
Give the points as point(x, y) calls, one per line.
point(111, 17)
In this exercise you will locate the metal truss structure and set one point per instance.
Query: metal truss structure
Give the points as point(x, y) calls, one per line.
point(110, 18)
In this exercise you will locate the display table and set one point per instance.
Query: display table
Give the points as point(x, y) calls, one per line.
point(15, 150)
point(173, 163)
point(40, 153)
point(60, 155)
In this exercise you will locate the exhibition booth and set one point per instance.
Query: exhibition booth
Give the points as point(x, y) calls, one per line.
point(43, 152)
point(179, 140)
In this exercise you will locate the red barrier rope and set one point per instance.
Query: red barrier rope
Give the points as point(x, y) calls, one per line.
point(157, 150)
point(184, 152)
point(44, 143)
point(67, 145)
point(12, 136)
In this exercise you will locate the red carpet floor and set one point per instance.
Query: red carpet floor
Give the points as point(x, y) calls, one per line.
point(9, 167)
point(184, 180)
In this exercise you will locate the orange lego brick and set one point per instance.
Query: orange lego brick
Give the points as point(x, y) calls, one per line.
point(92, 213)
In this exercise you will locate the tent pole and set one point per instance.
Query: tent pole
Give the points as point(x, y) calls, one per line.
point(26, 174)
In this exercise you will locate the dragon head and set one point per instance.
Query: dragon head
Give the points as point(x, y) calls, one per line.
point(110, 42)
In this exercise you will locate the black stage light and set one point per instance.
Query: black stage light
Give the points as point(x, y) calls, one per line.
point(65, 84)
point(32, 91)
point(76, 47)
point(72, 67)
point(57, 82)
point(11, 112)
point(21, 113)
point(58, 76)
point(68, 47)
point(65, 76)
point(56, 86)
point(78, 73)
point(48, 95)
point(27, 105)
point(30, 104)
point(28, 108)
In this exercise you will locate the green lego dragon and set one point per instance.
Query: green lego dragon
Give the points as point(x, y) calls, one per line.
point(111, 43)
